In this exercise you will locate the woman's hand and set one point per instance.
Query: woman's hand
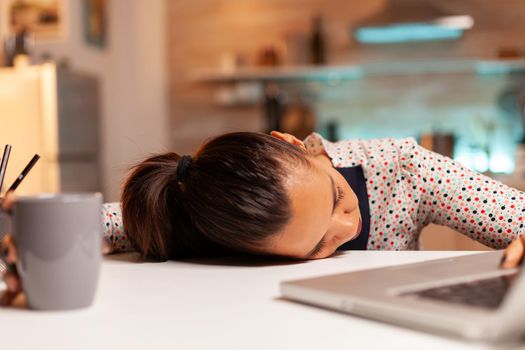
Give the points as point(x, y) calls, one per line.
point(13, 295)
point(513, 256)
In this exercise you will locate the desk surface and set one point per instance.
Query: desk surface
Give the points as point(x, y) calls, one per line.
point(197, 305)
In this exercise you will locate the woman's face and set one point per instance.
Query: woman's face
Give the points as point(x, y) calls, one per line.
point(324, 212)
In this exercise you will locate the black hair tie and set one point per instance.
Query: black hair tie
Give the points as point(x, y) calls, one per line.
point(182, 168)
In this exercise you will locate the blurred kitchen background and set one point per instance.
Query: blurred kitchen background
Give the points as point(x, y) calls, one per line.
point(96, 85)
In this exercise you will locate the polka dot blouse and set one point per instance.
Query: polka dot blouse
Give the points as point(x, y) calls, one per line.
point(410, 187)
point(113, 228)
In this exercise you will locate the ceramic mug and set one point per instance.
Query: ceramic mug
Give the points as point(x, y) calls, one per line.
point(58, 239)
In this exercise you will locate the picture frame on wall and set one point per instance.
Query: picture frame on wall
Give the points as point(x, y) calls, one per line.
point(95, 22)
point(43, 19)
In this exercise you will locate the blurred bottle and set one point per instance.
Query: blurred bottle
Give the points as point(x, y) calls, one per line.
point(317, 42)
point(332, 131)
point(442, 143)
point(268, 56)
point(18, 45)
point(298, 119)
point(273, 107)
point(510, 52)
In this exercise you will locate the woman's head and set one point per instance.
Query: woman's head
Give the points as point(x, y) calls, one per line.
point(232, 198)
point(241, 192)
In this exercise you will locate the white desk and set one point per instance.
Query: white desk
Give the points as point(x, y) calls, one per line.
point(182, 305)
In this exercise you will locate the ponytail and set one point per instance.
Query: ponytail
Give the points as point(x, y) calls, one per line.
point(148, 220)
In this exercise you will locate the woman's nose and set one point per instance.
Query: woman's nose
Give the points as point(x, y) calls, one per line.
point(350, 207)
point(343, 226)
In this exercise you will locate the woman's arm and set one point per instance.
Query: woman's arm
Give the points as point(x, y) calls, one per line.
point(115, 238)
point(457, 197)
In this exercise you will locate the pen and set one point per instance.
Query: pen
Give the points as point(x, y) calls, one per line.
point(24, 173)
point(3, 165)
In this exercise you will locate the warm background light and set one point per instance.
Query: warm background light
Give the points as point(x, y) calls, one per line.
point(28, 121)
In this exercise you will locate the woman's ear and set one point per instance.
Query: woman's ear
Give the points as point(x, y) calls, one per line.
point(288, 138)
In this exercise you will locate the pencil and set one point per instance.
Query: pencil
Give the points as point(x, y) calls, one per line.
point(3, 165)
point(24, 173)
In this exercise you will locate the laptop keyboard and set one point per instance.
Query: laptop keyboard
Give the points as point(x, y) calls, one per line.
point(486, 293)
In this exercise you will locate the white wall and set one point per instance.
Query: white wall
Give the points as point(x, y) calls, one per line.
point(132, 73)
point(135, 91)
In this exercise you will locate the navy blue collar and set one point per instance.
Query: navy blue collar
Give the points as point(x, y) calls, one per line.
point(356, 179)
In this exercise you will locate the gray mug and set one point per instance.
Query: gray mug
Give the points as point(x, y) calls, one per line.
point(58, 239)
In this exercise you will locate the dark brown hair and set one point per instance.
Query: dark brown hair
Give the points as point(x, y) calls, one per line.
point(232, 199)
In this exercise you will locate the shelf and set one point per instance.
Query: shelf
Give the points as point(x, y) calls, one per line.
point(358, 71)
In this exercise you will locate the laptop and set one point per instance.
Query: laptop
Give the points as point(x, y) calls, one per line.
point(468, 297)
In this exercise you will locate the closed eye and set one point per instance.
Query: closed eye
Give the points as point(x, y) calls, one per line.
point(318, 247)
point(340, 196)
